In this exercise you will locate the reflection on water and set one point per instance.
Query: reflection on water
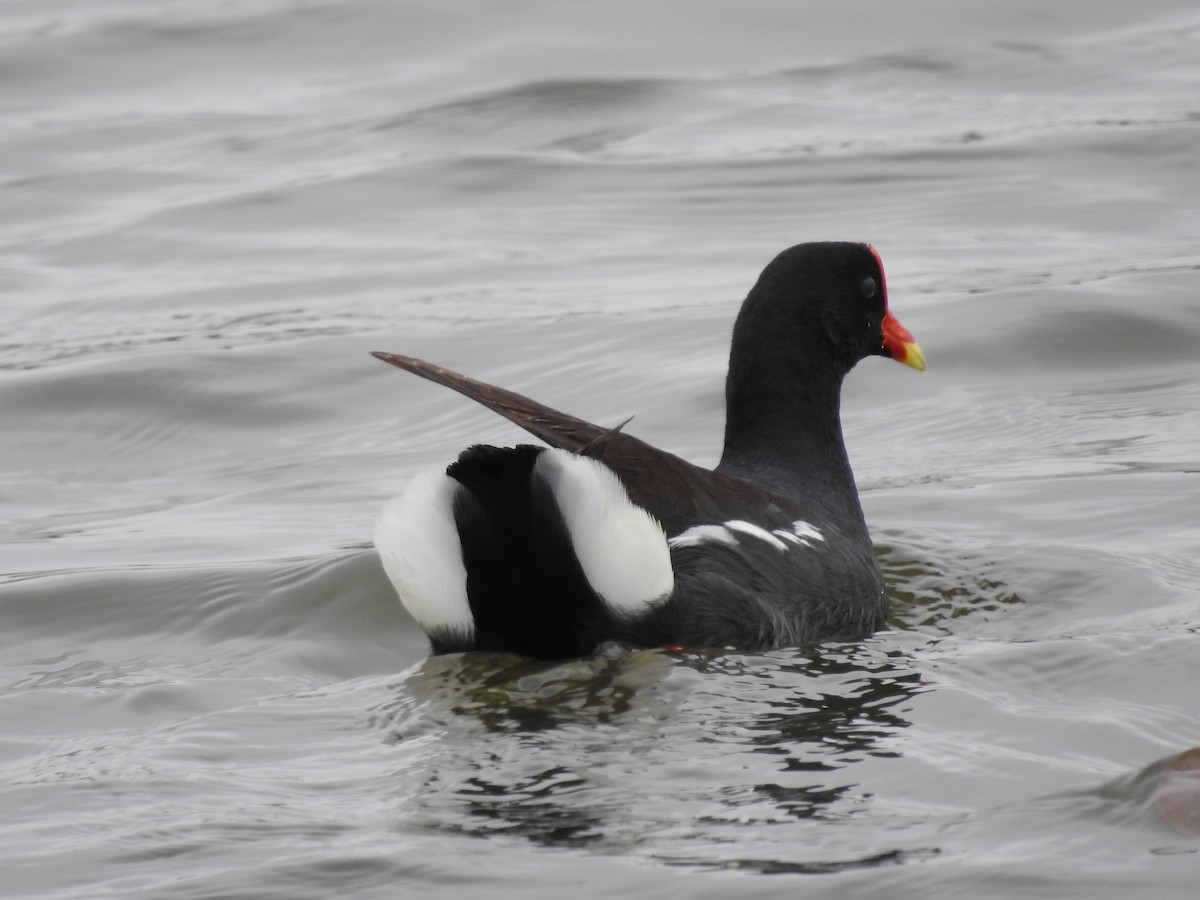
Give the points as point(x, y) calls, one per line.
point(665, 751)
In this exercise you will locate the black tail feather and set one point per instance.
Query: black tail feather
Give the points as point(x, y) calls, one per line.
point(527, 590)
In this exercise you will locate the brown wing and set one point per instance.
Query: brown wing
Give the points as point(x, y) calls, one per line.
point(676, 492)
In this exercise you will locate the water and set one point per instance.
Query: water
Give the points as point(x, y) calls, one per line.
point(210, 212)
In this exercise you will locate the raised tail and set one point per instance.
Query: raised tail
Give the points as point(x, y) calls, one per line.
point(677, 493)
point(555, 428)
point(529, 550)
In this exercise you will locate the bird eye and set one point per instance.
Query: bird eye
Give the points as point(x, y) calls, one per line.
point(868, 287)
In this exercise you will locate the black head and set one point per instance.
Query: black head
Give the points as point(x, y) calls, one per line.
point(817, 310)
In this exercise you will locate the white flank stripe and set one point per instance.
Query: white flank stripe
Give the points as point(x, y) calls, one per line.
point(621, 547)
point(700, 534)
point(756, 531)
point(791, 538)
point(417, 540)
point(804, 530)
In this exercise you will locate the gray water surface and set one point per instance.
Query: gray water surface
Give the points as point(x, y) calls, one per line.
point(211, 212)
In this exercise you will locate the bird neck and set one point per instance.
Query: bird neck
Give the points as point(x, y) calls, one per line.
point(786, 434)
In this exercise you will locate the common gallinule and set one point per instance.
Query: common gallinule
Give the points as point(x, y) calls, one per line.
point(546, 551)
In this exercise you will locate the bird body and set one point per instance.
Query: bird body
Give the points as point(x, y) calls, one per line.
point(546, 551)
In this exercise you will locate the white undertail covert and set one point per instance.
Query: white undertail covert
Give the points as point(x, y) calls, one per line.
point(418, 543)
point(621, 547)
